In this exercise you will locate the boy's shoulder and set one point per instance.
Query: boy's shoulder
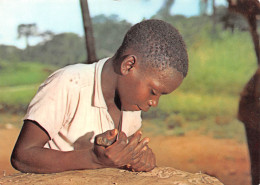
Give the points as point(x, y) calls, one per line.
point(77, 74)
point(79, 69)
point(81, 74)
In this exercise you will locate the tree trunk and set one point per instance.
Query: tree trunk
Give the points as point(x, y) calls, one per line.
point(249, 114)
point(214, 17)
point(249, 105)
point(253, 30)
point(89, 37)
point(203, 6)
point(27, 41)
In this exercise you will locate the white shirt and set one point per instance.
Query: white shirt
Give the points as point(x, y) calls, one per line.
point(70, 103)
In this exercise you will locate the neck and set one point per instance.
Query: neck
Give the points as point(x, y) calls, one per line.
point(108, 84)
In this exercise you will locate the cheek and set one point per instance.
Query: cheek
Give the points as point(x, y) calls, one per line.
point(126, 90)
point(134, 93)
point(142, 93)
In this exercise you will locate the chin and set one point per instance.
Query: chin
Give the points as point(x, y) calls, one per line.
point(145, 110)
point(131, 108)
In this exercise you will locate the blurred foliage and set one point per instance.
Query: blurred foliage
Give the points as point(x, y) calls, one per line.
point(69, 48)
point(61, 50)
point(10, 53)
point(109, 33)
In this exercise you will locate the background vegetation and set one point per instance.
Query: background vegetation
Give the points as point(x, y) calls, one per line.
point(221, 62)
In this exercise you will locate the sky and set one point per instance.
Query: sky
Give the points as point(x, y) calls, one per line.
point(61, 16)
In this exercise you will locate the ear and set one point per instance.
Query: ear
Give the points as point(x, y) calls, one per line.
point(128, 64)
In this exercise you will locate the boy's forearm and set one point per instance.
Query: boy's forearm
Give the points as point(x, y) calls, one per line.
point(41, 160)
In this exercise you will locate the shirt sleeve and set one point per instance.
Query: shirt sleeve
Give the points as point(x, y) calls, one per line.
point(55, 102)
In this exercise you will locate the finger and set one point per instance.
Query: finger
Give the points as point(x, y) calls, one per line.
point(141, 147)
point(138, 163)
point(107, 138)
point(122, 138)
point(140, 166)
point(150, 161)
point(112, 133)
point(144, 163)
point(154, 159)
point(123, 150)
point(103, 141)
point(133, 142)
point(136, 160)
point(120, 143)
point(136, 135)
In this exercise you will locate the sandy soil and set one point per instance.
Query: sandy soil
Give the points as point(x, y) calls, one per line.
point(225, 159)
point(7, 140)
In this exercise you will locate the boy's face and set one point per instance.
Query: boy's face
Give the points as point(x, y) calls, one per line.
point(141, 89)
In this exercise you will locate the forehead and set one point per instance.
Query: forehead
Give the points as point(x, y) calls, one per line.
point(164, 81)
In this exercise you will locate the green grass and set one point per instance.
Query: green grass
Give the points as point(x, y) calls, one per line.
point(19, 82)
point(195, 106)
point(22, 73)
point(17, 95)
point(220, 66)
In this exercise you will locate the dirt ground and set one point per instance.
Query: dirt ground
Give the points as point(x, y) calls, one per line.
point(225, 159)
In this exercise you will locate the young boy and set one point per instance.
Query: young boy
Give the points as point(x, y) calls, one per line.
point(104, 99)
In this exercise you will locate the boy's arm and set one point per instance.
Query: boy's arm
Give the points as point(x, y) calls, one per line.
point(30, 156)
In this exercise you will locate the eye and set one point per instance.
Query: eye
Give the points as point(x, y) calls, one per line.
point(153, 92)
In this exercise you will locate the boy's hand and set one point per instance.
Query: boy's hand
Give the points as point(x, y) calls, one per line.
point(146, 162)
point(84, 142)
point(119, 153)
point(107, 138)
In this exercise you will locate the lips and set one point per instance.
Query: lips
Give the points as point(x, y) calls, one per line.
point(139, 107)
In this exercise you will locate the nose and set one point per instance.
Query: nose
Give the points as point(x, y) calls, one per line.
point(153, 103)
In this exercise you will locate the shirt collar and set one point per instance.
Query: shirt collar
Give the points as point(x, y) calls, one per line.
point(98, 98)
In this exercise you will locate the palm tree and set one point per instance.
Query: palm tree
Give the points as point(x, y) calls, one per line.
point(27, 30)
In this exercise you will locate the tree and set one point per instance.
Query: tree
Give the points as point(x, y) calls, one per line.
point(89, 37)
point(249, 105)
point(249, 9)
point(164, 11)
point(203, 6)
point(214, 20)
point(61, 50)
point(109, 33)
point(27, 30)
point(46, 35)
point(232, 20)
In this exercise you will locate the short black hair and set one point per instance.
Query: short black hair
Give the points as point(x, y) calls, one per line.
point(159, 43)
